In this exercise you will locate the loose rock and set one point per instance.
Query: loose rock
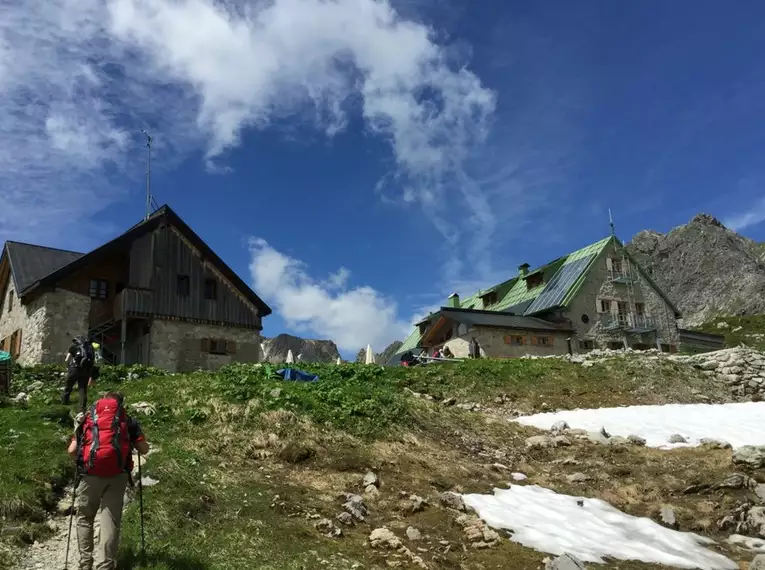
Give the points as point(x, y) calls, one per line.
point(758, 563)
point(328, 528)
point(755, 521)
point(539, 442)
point(667, 517)
point(383, 537)
point(565, 562)
point(371, 479)
point(578, 478)
point(476, 531)
point(751, 456)
point(714, 444)
point(618, 440)
point(597, 437)
point(559, 426)
point(345, 518)
point(677, 438)
point(636, 440)
point(452, 501)
point(355, 506)
point(413, 534)
point(736, 481)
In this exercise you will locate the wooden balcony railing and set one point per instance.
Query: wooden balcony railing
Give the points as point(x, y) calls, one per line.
point(133, 301)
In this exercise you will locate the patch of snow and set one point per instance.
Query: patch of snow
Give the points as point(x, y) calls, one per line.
point(518, 476)
point(747, 542)
point(590, 529)
point(740, 424)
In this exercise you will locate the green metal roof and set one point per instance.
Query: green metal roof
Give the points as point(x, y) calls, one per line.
point(411, 342)
point(563, 278)
point(515, 292)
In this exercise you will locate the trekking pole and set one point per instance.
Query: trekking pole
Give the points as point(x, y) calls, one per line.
point(71, 516)
point(140, 503)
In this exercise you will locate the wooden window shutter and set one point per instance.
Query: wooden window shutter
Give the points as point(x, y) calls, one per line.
point(205, 345)
point(533, 340)
point(230, 347)
point(609, 263)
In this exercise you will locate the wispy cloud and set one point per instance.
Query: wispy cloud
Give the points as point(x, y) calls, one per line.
point(79, 78)
point(351, 316)
point(754, 215)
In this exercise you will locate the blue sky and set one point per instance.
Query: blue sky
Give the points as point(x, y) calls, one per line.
point(358, 160)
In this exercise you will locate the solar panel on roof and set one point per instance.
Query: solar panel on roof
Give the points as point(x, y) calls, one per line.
point(559, 285)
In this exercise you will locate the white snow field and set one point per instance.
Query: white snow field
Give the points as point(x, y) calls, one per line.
point(557, 524)
point(738, 424)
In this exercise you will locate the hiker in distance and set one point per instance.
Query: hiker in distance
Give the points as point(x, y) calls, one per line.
point(81, 370)
point(103, 444)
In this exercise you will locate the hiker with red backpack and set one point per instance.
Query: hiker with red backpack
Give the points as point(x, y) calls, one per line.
point(103, 444)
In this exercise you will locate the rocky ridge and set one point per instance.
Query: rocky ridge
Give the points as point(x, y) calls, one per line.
point(276, 349)
point(381, 357)
point(742, 369)
point(705, 268)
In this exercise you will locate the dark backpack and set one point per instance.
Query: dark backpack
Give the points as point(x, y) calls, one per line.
point(105, 440)
point(84, 355)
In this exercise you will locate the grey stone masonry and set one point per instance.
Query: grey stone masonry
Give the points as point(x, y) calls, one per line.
point(47, 324)
point(177, 346)
point(587, 314)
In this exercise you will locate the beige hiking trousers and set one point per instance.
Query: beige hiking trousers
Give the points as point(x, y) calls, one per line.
point(107, 493)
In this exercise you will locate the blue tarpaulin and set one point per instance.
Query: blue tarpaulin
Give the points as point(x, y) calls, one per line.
point(297, 375)
point(4, 355)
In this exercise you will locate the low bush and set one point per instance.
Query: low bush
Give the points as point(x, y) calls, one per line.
point(358, 399)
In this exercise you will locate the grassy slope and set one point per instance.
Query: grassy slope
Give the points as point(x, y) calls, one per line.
point(246, 463)
point(748, 330)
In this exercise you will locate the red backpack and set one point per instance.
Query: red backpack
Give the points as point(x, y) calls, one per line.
point(105, 449)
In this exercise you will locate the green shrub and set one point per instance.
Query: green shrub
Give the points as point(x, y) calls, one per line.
point(48, 374)
point(118, 373)
point(357, 398)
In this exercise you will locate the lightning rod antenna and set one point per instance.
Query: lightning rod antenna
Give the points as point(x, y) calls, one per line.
point(611, 222)
point(148, 175)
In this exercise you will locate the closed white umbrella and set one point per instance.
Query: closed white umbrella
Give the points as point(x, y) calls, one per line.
point(370, 356)
point(290, 358)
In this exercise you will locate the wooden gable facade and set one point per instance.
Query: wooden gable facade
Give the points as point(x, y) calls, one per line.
point(158, 269)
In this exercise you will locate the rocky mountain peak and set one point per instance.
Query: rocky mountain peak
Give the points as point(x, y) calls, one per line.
point(706, 219)
point(309, 350)
point(705, 268)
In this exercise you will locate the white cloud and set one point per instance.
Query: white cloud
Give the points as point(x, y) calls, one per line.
point(352, 317)
point(755, 215)
point(80, 78)
point(263, 61)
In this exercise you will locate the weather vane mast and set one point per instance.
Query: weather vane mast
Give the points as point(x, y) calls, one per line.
point(148, 175)
point(611, 222)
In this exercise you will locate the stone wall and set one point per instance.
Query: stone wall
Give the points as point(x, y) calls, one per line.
point(176, 346)
point(493, 343)
point(47, 323)
point(742, 369)
point(66, 318)
point(598, 286)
